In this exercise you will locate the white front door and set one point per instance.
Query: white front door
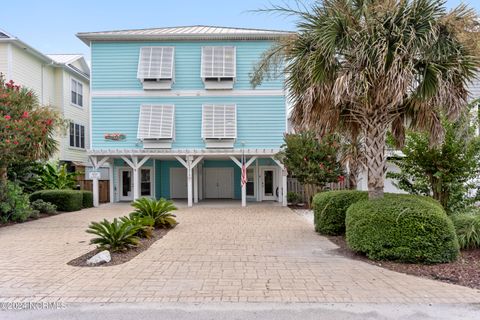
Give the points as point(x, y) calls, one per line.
point(178, 183)
point(269, 184)
point(218, 183)
point(126, 184)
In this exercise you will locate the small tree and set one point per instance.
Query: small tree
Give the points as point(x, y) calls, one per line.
point(27, 130)
point(311, 160)
point(446, 172)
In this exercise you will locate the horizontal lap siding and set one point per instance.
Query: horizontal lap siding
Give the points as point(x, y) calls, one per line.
point(260, 120)
point(114, 64)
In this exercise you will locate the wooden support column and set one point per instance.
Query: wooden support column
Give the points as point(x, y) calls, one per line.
point(110, 183)
point(95, 175)
point(244, 186)
point(189, 163)
point(195, 184)
point(135, 163)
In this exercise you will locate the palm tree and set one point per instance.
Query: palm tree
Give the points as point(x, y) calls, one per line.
point(370, 66)
point(352, 157)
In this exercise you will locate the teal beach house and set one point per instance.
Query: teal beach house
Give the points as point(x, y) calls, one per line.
point(173, 114)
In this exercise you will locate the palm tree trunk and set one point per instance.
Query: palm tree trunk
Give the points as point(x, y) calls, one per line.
point(352, 181)
point(375, 133)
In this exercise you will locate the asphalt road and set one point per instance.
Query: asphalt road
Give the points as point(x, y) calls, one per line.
point(234, 311)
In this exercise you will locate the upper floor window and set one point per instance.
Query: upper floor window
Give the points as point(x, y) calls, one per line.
point(219, 125)
point(218, 67)
point(156, 125)
point(155, 67)
point(77, 135)
point(77, 93)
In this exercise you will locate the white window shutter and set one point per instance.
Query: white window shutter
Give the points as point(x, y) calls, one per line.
point(155, 63)
point(156, 122)
point(218, 62)
point(219, 122)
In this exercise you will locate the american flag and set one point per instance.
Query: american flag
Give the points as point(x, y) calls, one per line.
point(244, 171)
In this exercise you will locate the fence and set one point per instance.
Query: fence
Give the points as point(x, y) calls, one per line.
point(103, 186)
point(306, 192)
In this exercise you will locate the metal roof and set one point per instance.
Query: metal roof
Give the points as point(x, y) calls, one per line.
point(64, 58)
point(185, 33)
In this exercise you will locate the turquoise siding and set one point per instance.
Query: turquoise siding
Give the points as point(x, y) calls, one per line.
point(162, 175)
point(114, 64)
point(260, 120)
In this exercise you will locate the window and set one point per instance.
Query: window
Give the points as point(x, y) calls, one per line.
point(155, 67)
point(250, 182)
point(77, 93)
point(218, 67)
point(219, 122)
point(156, 125)
point(77, 135)
point(145, 182)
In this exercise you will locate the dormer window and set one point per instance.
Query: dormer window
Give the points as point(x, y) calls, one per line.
point(156, 126)
point(219, 125)
point(218, 67)
point(156, 67)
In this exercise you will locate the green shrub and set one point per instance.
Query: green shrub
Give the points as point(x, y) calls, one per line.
point(402, 228)
point(330, 208)
point(16, 206)
point(293, 197)
point(53, 176)
point(467, 227)
point(145, 225)
point(65, 200)
point(44, 207)
point(114, 236)
point(87, 199)
point(160, 210)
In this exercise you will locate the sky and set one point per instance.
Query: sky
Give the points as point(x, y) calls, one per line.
point(50, 25)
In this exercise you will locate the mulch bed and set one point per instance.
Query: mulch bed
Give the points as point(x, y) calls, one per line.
point(465, 271)
point(120, 257)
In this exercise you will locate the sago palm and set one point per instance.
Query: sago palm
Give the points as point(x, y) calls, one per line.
point(370, 66)
point(160, 210)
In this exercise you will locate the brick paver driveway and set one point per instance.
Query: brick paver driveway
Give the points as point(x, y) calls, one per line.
point(261, 253)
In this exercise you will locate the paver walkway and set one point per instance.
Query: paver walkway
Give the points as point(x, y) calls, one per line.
point(260, 253)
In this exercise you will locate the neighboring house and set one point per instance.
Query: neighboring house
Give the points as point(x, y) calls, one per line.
point(59, 80)
point(173, 112)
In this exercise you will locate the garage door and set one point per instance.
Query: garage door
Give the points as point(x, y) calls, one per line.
point(178, 183)
point(219, 183)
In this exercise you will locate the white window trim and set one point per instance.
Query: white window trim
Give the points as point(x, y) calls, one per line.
point(70, 93)
point(85, 136)
point(203, 118)
point(172, 129)
point(161, 83)
point(228, 83)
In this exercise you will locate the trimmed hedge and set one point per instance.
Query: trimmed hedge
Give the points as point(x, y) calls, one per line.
point(87, 200)
point(402, 228)
point(330, 209)
point(65, 200)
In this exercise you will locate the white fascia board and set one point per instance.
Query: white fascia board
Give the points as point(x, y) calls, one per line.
point(87, 38)
point(183, 152)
